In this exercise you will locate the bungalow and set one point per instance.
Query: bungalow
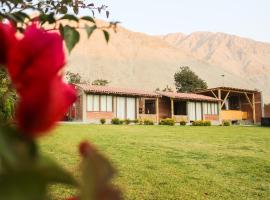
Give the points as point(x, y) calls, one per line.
point(237, 104)
point(97, 102)
point(188, 107)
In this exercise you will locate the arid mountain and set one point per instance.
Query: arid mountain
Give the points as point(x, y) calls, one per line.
point(142, 61)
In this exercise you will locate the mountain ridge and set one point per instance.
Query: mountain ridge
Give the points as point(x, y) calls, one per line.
point(133, 59)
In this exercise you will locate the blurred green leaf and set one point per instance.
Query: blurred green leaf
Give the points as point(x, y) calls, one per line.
point(23, 185)
point(47, 18)
point(90, 30)
point(88, 18)
point(70, 17)
point(106, 35)
point(52, 172)
point(15, 150)
point(71, 36)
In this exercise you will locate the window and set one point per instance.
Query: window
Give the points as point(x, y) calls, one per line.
point(213, 108)
point(180, 108)
point(150, 106)
point(205, 112)
point(99, 103)
point(209, 110)
point(103, 103)
point(96, 103)
point(109, 104)
point(90, 103)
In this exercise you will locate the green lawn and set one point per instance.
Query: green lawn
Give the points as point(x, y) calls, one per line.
point(159, 163)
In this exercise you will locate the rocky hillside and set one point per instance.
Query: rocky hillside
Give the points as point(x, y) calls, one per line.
point(142, 61)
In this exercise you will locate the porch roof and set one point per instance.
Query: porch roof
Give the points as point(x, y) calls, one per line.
point(116, 91)
point(228, 89)
point(188, 96)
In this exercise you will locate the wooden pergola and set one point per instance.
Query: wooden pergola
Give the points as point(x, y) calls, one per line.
point(223, 94)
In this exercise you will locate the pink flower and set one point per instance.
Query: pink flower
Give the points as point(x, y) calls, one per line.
point(34, 64)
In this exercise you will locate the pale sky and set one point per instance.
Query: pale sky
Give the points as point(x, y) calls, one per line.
point(247, 18)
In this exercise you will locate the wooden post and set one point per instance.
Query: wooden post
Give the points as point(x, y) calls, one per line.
point(172, 108)
point(254, 108)
point(137, 108)
point(143, 108)
point(219, 106)
point(157, 109)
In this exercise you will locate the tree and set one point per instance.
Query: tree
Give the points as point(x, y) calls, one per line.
point(187, 81)
point(101, 82)
point(73, 78)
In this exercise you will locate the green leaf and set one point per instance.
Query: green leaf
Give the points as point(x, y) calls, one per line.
point(70, 17)
point(88, 18)
point(26, 185)
point(90, 30)
point(52, 172)
point(47, 18)
point(15, 150)
point(71, 36)
point(106, 35)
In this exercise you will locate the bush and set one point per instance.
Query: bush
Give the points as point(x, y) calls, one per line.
point(226, 123)
point(140, 122)
point(127, 121)
point(102, 121)
point(201, 123)
point(167, 122)
point(115, 121)
point(122, 121)
point(148, 122)
point(183, 123)
point(136, 121)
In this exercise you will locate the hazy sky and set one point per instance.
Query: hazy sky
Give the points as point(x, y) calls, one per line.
point(248, 18)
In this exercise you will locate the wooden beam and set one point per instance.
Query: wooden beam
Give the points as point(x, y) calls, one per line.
point(249, 100)
point(157, 109)
point(226, 97)
point(172, 108)
point(254, 108)
point(214, 94)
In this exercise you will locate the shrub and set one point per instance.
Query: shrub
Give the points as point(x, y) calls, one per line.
point(226, 123)
point(183, 123)
point(136, 121)
point(122, 121)
point(201, 123)
point(127, 121)
point(148, 122)
point(140, 122)
point(115, 121)
point(102, 121)
point(167, 122)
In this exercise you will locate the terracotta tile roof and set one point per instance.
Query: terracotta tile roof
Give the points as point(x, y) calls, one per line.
point(115, 90)
point(188, 96)
point(229, 88)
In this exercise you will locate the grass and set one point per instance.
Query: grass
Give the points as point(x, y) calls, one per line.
point(159, 163)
